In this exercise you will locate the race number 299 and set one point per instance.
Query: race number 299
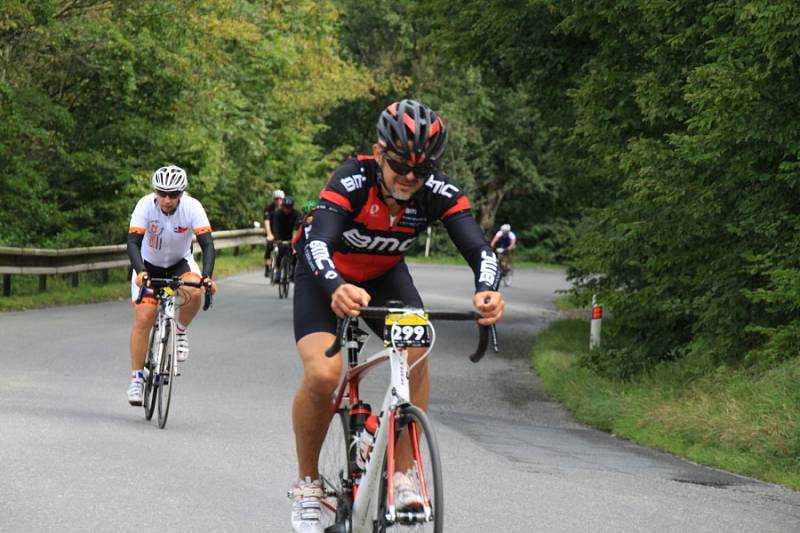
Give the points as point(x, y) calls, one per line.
point(408, 330)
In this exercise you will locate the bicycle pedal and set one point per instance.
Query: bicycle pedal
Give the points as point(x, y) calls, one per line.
point(407, 518)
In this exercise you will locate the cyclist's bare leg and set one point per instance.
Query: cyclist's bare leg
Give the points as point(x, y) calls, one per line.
point(420, 394)
point(311, 410)
point(144, 314)
point(191, 298)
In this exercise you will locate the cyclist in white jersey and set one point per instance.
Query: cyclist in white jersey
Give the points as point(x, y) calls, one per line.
point(160, 245)
point(504, 238)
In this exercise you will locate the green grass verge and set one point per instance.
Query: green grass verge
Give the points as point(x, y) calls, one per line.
point(739, 420)
point(93, 288)
point(566, 302)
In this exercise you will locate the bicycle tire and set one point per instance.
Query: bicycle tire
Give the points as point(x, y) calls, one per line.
point(431, 469)
point(149, 400)
point(334, 472)
point(508, 276)
point(283, 283)
point(273, 274)
point(166, 375)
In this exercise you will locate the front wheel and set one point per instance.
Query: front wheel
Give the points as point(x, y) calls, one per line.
point(285, 276)
point(425, 471)
point(166, 375)
point(273, 274)
point(151, 370)
point(508, 275)
point(334, 473)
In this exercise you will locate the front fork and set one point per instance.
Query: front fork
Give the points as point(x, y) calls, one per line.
point(401, 395)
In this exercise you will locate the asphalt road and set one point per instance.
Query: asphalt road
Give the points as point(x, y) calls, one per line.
point(75, 457)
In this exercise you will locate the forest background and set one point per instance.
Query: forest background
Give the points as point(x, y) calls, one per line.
point(651, 145)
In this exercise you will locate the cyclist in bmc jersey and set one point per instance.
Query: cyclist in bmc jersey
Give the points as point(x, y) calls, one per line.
point(168, 218)
point(366, 219)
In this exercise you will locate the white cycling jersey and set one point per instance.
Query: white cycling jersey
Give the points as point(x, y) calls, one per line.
point(168, 238)
point(511, 237)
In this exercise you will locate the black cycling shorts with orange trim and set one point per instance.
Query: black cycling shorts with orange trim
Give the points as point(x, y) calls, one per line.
point(312, 306)
point(181, 269)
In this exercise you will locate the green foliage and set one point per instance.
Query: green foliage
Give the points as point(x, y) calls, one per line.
point(687, 112)
point(99, 94)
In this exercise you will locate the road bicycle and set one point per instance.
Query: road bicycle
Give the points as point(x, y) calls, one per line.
point(161, 361)
point(282, 272)
point(357, 459)
point(506, 266)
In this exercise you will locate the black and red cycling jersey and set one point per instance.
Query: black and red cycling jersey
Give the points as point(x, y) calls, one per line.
point(352, 237)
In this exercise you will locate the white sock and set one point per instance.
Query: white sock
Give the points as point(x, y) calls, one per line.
point(137, 375)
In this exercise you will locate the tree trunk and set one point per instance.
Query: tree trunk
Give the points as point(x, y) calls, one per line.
point(487, 211)
point(5, 61)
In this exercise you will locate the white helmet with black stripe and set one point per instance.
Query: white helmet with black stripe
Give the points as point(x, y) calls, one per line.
point(170, 179)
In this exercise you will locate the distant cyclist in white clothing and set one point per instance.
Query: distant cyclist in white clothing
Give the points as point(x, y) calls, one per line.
point(503, 243)
point(504, 239)
point(160, 245)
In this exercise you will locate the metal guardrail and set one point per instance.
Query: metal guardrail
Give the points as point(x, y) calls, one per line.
point(44, 261)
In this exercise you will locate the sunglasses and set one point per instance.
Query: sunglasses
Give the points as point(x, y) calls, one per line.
point(171, 194)
point(420, 171)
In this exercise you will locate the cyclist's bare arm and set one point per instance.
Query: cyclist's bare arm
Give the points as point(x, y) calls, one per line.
point(347, 299)
point(490, 305)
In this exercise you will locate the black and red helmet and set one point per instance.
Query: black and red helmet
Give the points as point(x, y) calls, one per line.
point(412, 130)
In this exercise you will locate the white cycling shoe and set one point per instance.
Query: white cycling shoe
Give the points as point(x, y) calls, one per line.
point(406, 495)
point(136, 392)
point(307, 506)
point(182, 345)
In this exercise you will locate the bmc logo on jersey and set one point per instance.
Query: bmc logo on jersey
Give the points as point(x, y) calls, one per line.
point(377, 243)
point(354, 182)
point(440, 187)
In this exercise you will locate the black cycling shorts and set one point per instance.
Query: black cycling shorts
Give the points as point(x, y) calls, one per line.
point(312, 306)
point(178, 269)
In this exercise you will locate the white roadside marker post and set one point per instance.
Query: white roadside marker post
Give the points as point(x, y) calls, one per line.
point(597, 320)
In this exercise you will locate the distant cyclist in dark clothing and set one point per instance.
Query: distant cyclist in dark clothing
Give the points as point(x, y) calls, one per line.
point(366, 219)
point(269, 212)
point(284, 221)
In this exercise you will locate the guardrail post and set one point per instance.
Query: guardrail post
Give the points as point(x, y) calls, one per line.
point(42, 282)
point(235, 251)
point(74, 279)
point(104, 276)
point(597, 320)
point(6, 284)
